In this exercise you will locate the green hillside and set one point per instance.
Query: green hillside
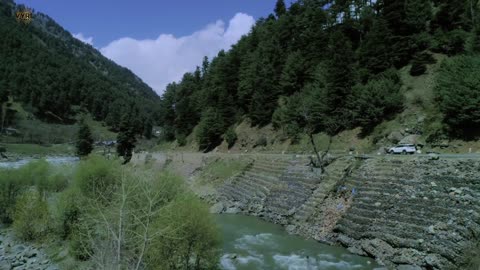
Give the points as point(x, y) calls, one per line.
point(362, 68)
point(55, 77)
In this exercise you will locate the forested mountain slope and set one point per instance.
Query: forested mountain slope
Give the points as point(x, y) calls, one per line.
point(56, 76)
point(328, 66)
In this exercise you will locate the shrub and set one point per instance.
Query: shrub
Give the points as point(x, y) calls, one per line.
point(31, 219)
point(262, 141)
point(181, 139)
point(230, 137)
point(57, 182)
point(190, 239)
point(419, 63)
point(79, 246)
point(97, 177)
point(69, 210)
point(418, 68)
point(12, 184)
point(451, 43)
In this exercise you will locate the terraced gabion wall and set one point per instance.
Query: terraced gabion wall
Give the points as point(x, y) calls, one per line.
point(413, 211)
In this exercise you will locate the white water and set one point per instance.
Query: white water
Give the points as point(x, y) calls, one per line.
point(51, 160)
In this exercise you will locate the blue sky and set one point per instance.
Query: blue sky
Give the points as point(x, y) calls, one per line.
point(107, 20)
point(158, 40)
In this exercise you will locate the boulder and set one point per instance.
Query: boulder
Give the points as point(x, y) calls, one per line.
point(217, 208)
point(395, 137)
point(412, 139)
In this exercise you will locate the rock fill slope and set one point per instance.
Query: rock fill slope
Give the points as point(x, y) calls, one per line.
point(402, 211)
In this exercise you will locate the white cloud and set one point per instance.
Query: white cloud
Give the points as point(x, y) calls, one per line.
point(165, 59)
point(82, 38)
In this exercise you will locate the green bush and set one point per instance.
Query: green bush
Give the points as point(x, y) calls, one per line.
point(230, 137)
point(262, 141)
point(11, 187)
point(57, 182)
point(451, 43)
point(181, 139)
point(31, 220)
point(69, 211)
point(190, 239)
point(418, 68)
point(79, 246)
point(97, 177)
point(13, 182)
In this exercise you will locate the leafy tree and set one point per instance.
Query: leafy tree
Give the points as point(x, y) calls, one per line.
point(126, 139)
point(84, 143)
point(458, 93)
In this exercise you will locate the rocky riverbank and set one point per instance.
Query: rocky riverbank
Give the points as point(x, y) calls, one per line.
point(15, 255)
point(407, 212)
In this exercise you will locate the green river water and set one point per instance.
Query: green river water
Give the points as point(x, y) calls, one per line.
point(250, 243)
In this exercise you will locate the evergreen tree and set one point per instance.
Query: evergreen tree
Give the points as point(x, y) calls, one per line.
point(377, 100)
point(126, 139)
point(84, 143)
point(375, 53)
point(458, 94)
point(475, 42)
point(209, 133)
point(340, 79)
point(280, 8)
point(293, 74)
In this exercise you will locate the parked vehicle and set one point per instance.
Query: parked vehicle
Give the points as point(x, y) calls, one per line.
point(403, 149)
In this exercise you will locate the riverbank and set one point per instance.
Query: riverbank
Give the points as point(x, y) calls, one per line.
point(406, 212)
point(15, 254)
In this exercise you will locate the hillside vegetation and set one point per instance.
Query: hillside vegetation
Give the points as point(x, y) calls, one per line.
point(55, 77)
point(333, 66)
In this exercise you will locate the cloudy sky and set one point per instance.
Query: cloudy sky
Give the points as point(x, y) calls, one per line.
point(158, 40)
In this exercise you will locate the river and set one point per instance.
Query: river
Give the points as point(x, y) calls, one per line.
point(250, 244)
point(51, 160)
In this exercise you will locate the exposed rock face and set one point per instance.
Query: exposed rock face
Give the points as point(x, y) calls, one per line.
point(408, 213)
point(17, 256)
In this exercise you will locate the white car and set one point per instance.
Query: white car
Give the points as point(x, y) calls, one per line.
point(403, 149)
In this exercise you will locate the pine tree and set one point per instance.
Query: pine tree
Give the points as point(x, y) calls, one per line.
point(209, 132)
point(84, 143)
point(340, 79)
point(280, 8)
point(375, 51)
point(126, 139)
point(293, 74)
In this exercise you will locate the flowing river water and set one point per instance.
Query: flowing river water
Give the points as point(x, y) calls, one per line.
point(250, 243)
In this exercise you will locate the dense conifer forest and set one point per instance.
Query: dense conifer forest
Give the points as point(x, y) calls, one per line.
point(327, 66)
point(56, 76)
